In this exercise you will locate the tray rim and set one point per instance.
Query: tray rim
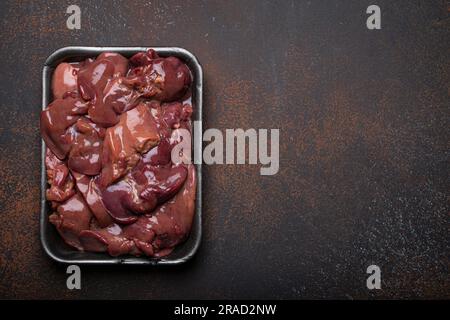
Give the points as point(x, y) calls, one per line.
point(190, 59)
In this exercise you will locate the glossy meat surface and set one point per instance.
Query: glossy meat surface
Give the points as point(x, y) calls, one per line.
point(109, 133)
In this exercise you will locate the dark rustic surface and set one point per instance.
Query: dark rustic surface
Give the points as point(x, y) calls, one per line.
point(363, 160)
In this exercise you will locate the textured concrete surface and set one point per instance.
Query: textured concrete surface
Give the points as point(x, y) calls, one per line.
point(364, 120)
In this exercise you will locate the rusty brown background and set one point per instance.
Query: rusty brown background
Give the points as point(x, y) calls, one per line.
point(363, 158)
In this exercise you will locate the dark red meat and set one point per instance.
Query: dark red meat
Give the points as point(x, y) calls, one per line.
point(109, 135)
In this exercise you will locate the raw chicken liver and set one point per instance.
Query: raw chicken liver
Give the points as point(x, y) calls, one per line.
point(109, 135)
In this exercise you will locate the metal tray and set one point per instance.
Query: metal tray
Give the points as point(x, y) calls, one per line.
point(53, 244)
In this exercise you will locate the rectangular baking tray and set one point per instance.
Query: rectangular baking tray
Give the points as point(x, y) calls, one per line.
point(52, 243)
